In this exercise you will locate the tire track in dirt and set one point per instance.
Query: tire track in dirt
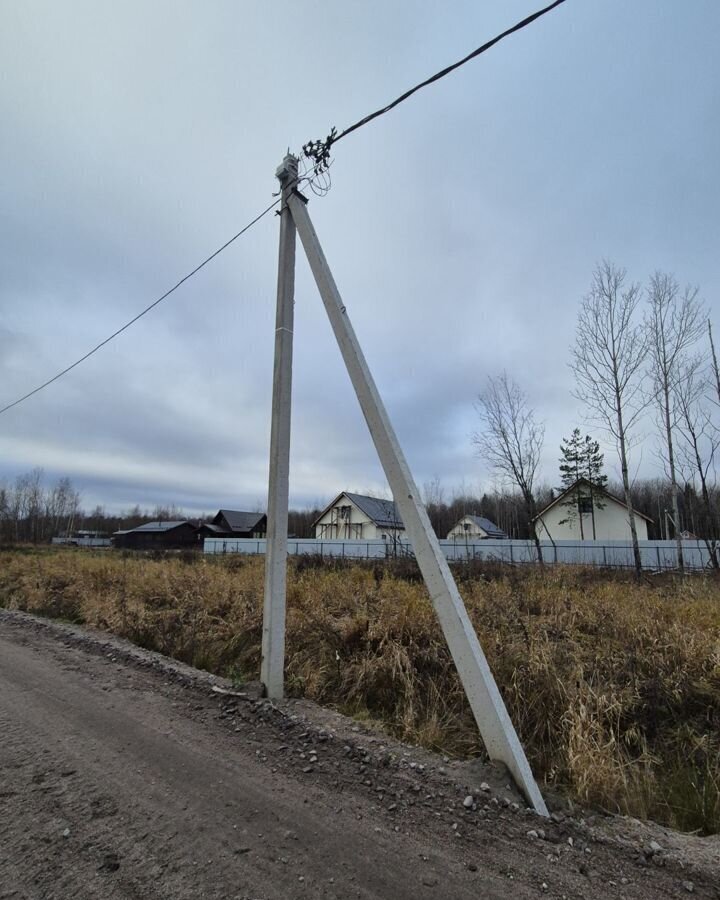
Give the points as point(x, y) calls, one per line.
point(123, 777)
point(108, 793)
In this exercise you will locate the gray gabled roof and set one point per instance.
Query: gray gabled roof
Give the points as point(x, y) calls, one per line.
point(208, 526)
point(490, 528)
point(384, 513)
point(160, 526)
point(238, 520)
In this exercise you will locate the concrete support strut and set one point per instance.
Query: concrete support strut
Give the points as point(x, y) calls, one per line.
point(493, 721)
point(273, 637)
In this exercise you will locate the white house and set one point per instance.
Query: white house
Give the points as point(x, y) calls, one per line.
point(354, 516)
point(474, 528)
point(586, 512)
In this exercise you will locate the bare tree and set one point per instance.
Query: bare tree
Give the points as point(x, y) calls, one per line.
point(607, 360)
point(674, 324)
point(5, 514)
point(511, 440)
point(19, 506)
point(434, 500)
point(62, 503)
point(713, 357)
point(699, 443)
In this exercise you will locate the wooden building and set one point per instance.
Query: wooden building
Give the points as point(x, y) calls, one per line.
point(170, 535)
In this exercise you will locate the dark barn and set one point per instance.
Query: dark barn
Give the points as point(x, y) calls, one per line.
point(233, 523)
point(158, 536)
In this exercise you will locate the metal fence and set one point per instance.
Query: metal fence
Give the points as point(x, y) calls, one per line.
point(654, 555)
point(82, 541)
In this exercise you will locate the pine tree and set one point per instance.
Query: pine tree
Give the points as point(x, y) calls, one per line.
point(571, 451)
point(582, 458)
point(593, 461)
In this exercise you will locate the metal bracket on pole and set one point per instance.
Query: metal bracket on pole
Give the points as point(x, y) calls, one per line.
point(273, 635)
point(496, 728)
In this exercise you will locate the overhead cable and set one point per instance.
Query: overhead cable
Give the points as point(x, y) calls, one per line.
point(144, 312)
point(319, 151)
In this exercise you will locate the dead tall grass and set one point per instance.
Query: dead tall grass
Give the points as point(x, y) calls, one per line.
point(614, 686)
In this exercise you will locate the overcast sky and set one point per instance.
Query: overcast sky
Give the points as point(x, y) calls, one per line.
point(462, 228)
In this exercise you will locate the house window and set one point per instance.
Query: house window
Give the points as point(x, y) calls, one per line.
point(585, 504)
point(466, 526)
point(344, 512)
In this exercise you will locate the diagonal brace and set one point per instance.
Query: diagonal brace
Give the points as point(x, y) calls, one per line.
point(496, 728)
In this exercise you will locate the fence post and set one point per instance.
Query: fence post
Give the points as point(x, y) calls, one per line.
point(657, 550)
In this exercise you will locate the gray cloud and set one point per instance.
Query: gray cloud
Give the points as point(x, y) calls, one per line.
point(462, 229)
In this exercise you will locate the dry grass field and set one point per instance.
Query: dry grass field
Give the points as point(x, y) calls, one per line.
point(614, 686)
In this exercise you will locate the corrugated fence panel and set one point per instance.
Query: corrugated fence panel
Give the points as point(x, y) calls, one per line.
point(654, 555)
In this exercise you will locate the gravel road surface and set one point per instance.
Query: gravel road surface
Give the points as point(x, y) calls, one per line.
point(123, 775)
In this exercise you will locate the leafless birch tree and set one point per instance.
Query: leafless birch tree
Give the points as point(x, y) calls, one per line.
point(674, 324)
point(607, 360)
point(699, 442)
point(31, 512)
point(510, 440)
point(713, 356)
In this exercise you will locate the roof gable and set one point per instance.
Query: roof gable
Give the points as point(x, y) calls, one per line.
point(596, 489)
point(384, 513)
point(490, 528)
point(237, 520)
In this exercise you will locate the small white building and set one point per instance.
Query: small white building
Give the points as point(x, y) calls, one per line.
point(474, 528)
point(586, 512)
point(357, 517)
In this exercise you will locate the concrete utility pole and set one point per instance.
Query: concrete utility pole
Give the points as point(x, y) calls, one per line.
point(496, 728)
point(273, 636)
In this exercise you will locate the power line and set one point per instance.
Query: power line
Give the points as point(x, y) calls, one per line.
point(319, 151)
point(144, 312)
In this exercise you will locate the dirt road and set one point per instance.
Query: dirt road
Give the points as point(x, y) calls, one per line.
point(123, 776)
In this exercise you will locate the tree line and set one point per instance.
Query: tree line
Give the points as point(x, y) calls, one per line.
point(33, 512)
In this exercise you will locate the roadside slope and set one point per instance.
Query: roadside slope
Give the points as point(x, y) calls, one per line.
point(124, 776)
